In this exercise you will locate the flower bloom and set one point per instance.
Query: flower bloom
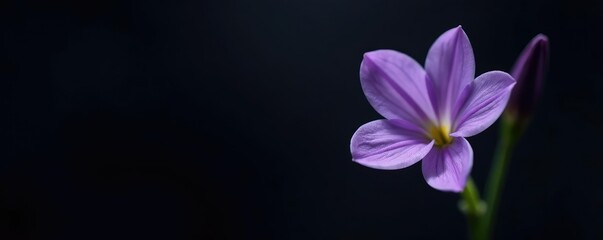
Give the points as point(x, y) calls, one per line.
point(529, 71)
point(430, 111)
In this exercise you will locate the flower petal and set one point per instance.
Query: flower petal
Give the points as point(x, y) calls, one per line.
point(394, 84)
point(389, 144)
point(450, 67)
point(487, 97)
point(447, 168)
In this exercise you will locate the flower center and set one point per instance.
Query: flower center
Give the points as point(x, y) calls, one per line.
point(441, 135)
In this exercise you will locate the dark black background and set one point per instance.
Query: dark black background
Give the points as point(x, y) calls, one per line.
point(232, 120)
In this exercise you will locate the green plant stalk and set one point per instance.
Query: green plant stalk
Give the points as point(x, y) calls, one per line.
point(510, 131)
point(481, 215)
point(473, 208)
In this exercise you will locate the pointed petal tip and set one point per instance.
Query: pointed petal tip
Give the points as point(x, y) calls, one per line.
point(540, 42)
point(377, 52)
point(459, 29)
point(372, 55)
point(455, 32)
point(367, 55)
point(541, 38)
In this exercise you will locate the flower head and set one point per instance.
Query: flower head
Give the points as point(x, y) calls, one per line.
point(530, 71)
point(430, 111)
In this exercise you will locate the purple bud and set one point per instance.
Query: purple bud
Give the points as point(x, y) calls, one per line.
point(529, 71)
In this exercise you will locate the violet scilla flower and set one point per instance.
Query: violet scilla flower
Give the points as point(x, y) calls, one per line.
point(428, 112)
point(529, 71)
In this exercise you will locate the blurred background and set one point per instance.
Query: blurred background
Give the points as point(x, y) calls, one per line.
point(232, 120)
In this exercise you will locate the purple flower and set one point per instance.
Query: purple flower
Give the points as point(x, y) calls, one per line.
point(529, 71)
point(430, 111)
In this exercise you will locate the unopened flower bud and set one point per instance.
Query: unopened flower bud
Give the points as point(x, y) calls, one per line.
point(529, 71)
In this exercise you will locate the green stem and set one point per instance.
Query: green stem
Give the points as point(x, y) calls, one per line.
point(473, 208)
point(509, 133)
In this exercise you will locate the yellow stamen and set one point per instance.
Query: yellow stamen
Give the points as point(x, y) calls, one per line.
point(441, 135)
